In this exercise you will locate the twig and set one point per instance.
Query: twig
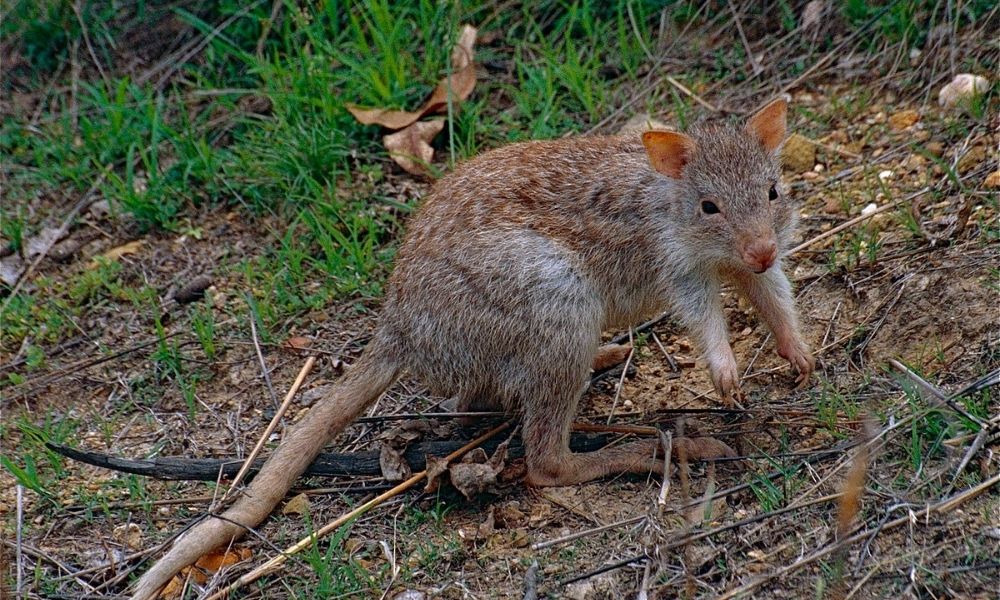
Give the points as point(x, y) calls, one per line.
point(18, 552)
point(260, 355)
point(531, 582)
point(276, 562)
point(941, 507)
point(621, 380)
point(852, 223)
point(757, 69)
point(680, 86)
point(248, 463)
point(934, 392)
point(667, 440)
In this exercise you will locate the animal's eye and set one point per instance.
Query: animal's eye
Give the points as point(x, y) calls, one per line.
point(709, 208)
point(772, 194)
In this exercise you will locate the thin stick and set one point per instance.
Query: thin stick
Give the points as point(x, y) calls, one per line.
point(303, 373)
point(621, 380)
point(667, 439)
point(693, 95)
point(851, 223)
point(18, 550)
point(941, 507)
point(276, 562)
point(260, 354)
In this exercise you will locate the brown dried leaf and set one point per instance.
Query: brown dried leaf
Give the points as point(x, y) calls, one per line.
point(205, 567)
point(120, 251)
point(436, 465)
point(394, 466)
point(472, 478)
point(459, 85)
point(411, 148)
point(462, 53)
point(298, 505)
point(298, 342)
point(391, 119)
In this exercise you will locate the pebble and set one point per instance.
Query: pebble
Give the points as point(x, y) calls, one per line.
point(903, 119)
point(798, 154)
point(962, 87)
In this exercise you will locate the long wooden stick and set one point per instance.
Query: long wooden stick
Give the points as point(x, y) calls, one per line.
point(276, 562)
point(303, 373)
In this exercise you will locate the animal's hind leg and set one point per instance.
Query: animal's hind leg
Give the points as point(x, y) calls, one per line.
point(550, 462)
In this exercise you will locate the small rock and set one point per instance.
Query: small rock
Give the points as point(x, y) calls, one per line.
point(903, 119)
point(798, 154)
point(819, 168)
point(869, 209)
point(885, 175)
point(641, 122)
point(65, 250)
point(992, 180)
point(962, 87)
point(936, 148)
point(833, 206)
point(195, 290)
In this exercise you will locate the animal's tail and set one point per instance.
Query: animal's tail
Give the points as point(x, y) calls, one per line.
point(363, 383)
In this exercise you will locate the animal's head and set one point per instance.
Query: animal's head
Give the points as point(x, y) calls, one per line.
point(729, 182)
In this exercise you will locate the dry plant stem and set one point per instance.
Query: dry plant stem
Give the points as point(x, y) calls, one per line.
point(303, 373)
point(276, 562)
point(19, 536)
point(260, 357)
point(667, 440)
point(580, 534)
point(853, 222)
point(940, 508)
point(936, 393)
point(621, 380)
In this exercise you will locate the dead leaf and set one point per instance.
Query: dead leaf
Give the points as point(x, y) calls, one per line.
point(476, 456)
point(298, 505)
point(462, 53)
point(298, 342)
point(458, 86)
point(472, 478)
point(129, 534)
point(394, 466)
point(411, 148)
point(992, 180)
point(436, 465)
point(391, 119)
point(205, 567)
point(120, 251)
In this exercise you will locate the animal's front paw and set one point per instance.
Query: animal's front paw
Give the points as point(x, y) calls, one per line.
point(801, 358)
point(726, 379)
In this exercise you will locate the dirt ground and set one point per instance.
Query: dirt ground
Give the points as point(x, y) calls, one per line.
point(864, 484)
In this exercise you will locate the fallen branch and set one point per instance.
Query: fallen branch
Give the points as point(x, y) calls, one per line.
point(276, 562)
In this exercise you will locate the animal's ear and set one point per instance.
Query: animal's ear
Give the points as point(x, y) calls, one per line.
point(668, 151)
point(769, 124)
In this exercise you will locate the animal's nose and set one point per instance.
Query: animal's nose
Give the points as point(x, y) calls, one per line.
point(760, 255)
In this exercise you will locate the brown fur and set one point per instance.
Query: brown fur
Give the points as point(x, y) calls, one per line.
point(517, 262)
